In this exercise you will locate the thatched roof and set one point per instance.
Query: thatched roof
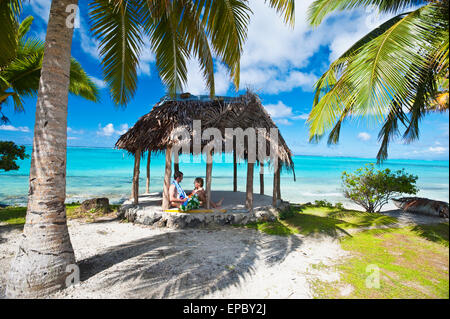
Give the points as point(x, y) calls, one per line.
point(155, 130)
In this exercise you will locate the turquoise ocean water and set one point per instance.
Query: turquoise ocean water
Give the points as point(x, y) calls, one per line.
point(94, 172)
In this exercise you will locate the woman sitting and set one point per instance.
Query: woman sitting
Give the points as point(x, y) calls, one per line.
point(200, 192)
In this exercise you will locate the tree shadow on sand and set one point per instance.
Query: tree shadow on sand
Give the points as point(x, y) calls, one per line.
point(188, 263)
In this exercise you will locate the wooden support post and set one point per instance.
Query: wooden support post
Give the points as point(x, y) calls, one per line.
point(261, 178)
point(167, 176)
point(147, 184)
point(137, 162)
point(176, 162)
point(249, 193)
point(279, 181)
point(275, 185)
point(132, 179)
point(208, 178)
point(234, 166)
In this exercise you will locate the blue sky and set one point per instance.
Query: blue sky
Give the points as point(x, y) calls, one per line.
point(279, 63)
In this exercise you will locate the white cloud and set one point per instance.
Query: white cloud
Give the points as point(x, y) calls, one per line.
point(123, 129)
point(14, 129)
point(437, 149)
point(196, 84)
point(279, 110)
point(109, 129)
point(99, 82)
point(275, 55)
point(89, 44)
point(303, 116)
point(71, 130)
point(283, 121)
point(147, 57)
point(40, 7)
point(281, 113)
point(363, 136)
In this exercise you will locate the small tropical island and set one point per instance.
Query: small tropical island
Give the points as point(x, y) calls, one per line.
point(210, 188)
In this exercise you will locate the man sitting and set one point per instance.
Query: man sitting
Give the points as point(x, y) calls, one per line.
point(177, 196)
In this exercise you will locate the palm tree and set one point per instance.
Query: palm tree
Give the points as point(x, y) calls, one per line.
point(45, 250)
point(396, 73)
point(20, 76)
point(177, 29)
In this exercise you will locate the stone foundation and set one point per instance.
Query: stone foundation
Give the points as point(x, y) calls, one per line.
point(154, 215)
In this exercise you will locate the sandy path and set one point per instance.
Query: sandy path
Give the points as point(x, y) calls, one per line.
point(121, 260)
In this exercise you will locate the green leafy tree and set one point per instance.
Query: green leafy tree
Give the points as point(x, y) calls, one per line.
point(372, 189)
point(397, 73)
point(19, 76)
point(9, 154)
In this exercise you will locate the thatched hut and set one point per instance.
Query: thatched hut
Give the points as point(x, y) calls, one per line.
point(162, 129)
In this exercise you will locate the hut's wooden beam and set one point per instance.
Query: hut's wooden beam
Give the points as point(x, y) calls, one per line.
point(279, 181)
point(147, 184)
point(234, 167)
point(176, 162)
point(249, 193)
point(275, 185)
point(261, 178)
point(208, 178)
point(137, 162)
point(167, 175)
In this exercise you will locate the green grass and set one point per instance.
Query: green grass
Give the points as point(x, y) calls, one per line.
point(413, 261)
point(410, 265)
point(315, 220)
point(271, 228)
point(15, 215)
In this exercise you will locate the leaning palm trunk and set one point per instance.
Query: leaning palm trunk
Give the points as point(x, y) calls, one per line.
point(45, 250)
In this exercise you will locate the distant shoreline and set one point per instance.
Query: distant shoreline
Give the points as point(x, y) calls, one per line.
point(300, 155)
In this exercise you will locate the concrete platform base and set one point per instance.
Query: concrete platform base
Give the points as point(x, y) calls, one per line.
point(149, 211)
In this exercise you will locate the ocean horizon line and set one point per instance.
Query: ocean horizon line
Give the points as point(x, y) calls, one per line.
point(302, 155)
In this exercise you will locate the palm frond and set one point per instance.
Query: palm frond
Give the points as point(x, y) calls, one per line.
point(81, 84)
point(390, 129)
point(116, 24)
point(168, 42)
point(329, 79)
point(9, 13)
point(23, 74)
point(366, 80)
point(20, 77)
point(197, 43)
point(24, 27)
point(286, 8)
point(319, 9)
point(226, 23)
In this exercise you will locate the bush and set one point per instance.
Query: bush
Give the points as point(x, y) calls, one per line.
point(286, 213)
point(339, 206)
point(323, 203)
point(372, 189)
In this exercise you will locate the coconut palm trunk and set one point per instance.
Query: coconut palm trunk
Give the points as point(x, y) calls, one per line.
point(45, 250)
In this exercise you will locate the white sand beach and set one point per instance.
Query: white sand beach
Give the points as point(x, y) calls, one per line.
point(125, 260)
